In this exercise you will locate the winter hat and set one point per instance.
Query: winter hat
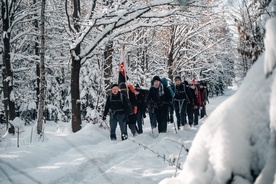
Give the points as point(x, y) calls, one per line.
point(177, 78)
point(156, 78)
point(122, 85)
point(193, 81)
point(113, 85)
point(201, 83)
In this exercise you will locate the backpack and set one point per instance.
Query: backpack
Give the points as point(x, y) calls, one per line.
point(130, 108)
point(186, 96)
point(165, 83)
point(121, 97)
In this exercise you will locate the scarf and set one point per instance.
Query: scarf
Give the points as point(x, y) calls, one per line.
point(161, 90)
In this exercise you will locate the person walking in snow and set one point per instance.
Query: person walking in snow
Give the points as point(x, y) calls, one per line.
point(131, 118)
point(171, 104)
point(117, 107)
point(141, 107)
point(180, 102)
point(167, 84)
point(158, 98)
point(193, 106)
point(202, 99)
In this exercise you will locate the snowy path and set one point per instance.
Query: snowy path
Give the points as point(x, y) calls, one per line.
point(90, 157)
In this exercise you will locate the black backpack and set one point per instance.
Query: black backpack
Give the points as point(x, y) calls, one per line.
point(130, 108)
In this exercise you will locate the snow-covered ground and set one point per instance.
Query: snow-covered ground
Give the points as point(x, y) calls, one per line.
point(237, 143)
point(88, 156)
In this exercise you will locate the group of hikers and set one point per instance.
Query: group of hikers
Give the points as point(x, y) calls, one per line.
point(127, 105)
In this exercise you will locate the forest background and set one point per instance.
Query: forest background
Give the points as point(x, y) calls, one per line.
point(59, 57)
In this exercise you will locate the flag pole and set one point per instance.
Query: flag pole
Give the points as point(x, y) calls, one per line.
point(125, 68)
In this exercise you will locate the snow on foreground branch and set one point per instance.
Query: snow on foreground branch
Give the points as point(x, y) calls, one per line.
point(237, 143)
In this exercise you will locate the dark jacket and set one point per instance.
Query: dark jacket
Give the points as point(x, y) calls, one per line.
point(204, 96)
point(156, 100)
point(189, 97)
point(117, 104)
point(194, 101)
point(141, 100)
point(132, 97)
point(180, 92)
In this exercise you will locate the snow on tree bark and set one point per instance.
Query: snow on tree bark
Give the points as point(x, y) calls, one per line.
point(42, 70)
point(7, 73)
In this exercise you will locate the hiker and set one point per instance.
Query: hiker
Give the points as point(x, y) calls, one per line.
point(131, 118)
point(202, 98)
point(193, 106)
point(171, 105)
point(167, 83)
point(150, 107)
point(117, 107)
point(158, 100)
point(141, 107)
point(180, 102)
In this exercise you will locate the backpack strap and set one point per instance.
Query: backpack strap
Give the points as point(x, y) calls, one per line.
point(121, 97)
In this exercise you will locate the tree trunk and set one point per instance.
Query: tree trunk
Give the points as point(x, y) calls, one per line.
point(75, 95)
point(170, 66)
point(75, 74)
point(108, 63)
point(36, 50)
point(42, 70)
point(7, 72)
point(170, 54)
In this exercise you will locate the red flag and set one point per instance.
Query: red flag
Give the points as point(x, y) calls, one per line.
point(122, 73)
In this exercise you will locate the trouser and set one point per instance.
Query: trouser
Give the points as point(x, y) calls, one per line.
point(203, 111)
point(170, 113)
point(180, 111)
point(114, 119)
point(153, 121)
point(161, 114)
point(132, 123)
point(139, 122)
point(193, 116)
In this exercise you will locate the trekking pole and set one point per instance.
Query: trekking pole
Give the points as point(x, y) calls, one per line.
point(205, 111)
point(174, 122)
point(174, 126)
point(106, 124)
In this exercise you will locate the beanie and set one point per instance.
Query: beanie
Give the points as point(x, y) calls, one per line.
point(113, 85)
point(156, 78)
point(177, 78)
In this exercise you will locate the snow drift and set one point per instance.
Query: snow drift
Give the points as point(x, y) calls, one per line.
point(236, 144)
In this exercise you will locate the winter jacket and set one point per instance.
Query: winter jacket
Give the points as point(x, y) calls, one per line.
point(180, 92)
point(141, 101)
point(158, 96)
point(132, 100)
point(194, 101)
point(204, 96)
point(117, 104)
point(132, 97)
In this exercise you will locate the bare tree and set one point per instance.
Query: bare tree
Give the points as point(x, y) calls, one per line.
point(103, 24)
point(7, 9)
point(42, 70)
point(108, 63)
point(36, 53)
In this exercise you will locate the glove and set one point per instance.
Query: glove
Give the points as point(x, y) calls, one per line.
point(135, 109)
point(104, 118)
